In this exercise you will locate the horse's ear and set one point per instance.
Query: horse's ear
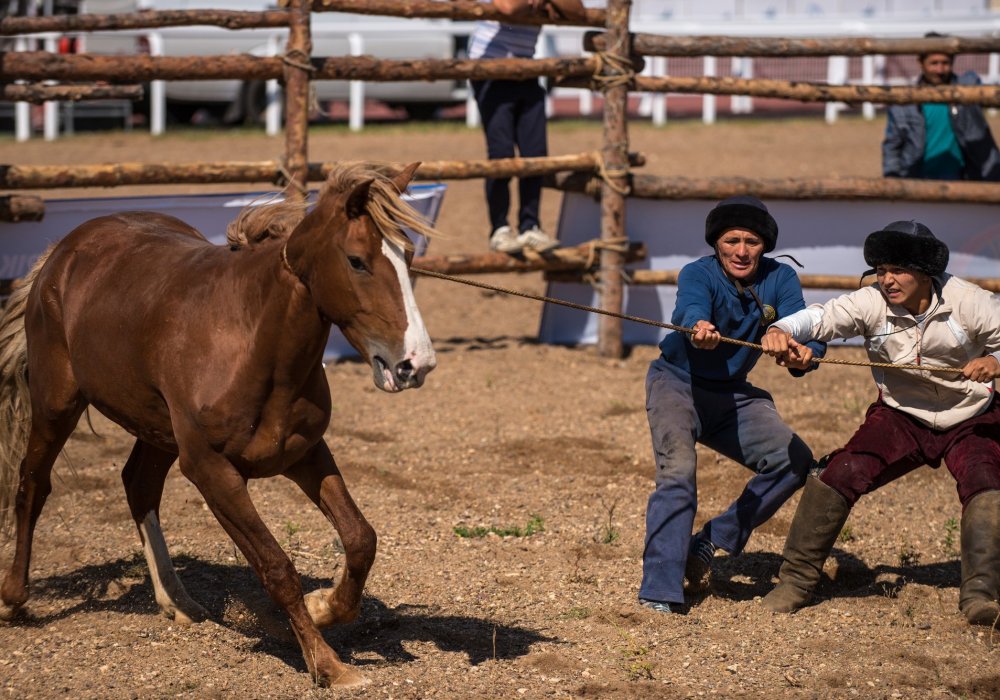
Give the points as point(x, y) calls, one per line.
point(357, 200)
point(404, 178)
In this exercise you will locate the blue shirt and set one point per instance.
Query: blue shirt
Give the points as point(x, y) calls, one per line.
point(704, 293)
point(943, 158)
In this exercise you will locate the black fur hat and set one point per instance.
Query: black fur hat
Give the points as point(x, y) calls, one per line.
point(907, 244)
point(742, 211)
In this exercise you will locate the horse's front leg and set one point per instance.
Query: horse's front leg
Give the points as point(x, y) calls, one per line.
point(225, 492)
point(318, 476)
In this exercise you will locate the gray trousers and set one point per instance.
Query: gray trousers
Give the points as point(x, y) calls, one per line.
point(737, 420)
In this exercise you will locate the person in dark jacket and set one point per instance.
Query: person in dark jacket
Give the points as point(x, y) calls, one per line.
point(939, 141)
point(697, 392)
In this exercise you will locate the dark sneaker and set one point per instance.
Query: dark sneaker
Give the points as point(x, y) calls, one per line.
point(660, 606)
point(698, 570)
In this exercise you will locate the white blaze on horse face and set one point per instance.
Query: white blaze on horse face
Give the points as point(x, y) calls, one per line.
point(417, 346)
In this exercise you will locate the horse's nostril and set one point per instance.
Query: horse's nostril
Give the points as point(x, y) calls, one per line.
point(404, 370)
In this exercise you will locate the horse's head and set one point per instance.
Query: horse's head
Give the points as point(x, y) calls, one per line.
point(350, 253)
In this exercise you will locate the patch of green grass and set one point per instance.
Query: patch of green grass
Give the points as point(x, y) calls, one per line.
point(846, 535)
point(950, 530)
point(634, 658)
point(608, 533)
point(575, 614)
point(908, 555)
point(535, 525)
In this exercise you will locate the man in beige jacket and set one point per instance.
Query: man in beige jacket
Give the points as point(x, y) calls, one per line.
point(916, 314)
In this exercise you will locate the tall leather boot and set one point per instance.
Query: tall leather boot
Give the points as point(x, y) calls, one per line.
point(818, 521)
point(981, 560)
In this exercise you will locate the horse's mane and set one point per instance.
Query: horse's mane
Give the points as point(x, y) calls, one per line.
point(388, 211)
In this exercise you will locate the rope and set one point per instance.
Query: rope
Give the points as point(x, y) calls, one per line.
point(298, 59)
point(618, 245)
point(612, 70)
point(606, 174)
point(290, 181)
point(668, 326)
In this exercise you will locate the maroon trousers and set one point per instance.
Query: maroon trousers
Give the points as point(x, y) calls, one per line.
point(890, 444)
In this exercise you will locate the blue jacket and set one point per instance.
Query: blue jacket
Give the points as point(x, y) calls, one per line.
point(905, 138)
point(704, 293)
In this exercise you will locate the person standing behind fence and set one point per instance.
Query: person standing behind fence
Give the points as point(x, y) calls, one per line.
point(939, 141)
point(513, 116)
point(697, 392)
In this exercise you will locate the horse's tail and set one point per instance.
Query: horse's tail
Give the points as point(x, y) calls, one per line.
point(15, 402)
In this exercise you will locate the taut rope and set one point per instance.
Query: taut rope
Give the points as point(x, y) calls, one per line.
point(668, 326)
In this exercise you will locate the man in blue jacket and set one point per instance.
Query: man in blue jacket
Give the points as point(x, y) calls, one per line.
point(697, 392)
point(939, 141)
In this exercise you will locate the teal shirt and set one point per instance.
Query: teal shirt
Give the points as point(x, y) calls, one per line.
point(942, 155)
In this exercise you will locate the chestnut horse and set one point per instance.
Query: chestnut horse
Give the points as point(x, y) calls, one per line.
point(212, 356)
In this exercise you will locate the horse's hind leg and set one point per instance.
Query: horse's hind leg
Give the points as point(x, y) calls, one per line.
point(143, 475)
point(55, 410)
point(318, 476)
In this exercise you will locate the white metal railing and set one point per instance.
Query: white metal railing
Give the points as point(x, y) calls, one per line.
point(564, 41)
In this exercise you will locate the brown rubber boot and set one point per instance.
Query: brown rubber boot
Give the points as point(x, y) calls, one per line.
point(818, 521)
point(981, 560)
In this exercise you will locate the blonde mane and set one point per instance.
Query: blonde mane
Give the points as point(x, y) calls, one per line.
point(387, 209)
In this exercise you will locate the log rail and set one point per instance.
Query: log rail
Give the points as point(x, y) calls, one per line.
point(23, 177)
point(645, 186)
point(669, 277)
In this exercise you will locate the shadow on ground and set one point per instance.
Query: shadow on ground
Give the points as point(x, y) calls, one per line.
point(854, 579)
point(124, 587)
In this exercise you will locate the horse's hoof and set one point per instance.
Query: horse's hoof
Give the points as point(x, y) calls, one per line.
point(9, 613)
point(188, 615)
point(318, 607)
point(349, 678)
point(323, 614)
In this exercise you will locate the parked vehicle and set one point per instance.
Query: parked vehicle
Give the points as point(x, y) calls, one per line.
point(234, 101)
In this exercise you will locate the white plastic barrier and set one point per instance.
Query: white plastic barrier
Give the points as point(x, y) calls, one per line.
point(22, 243)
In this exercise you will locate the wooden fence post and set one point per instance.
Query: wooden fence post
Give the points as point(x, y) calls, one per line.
point(616, 72)
point(297, 69)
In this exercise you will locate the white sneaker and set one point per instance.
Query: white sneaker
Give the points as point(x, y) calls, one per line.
point(537, 239)
point(504, 240)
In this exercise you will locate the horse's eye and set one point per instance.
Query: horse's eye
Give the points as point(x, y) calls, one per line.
point(357, 263)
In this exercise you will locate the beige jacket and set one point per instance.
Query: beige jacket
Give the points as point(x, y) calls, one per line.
point(963, 323)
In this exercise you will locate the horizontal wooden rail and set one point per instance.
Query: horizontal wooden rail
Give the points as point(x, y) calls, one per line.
point(581, 257)
point(782, 47)
point(715, 188)
point(23, 177)
point(144, 19)
point(37, 94)
point(455, 10)
point(41, 65)
point(575, 72)
point(21, 207)
point(986, 95)
point(669, 277)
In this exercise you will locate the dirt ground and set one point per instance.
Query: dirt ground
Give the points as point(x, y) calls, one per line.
point(506, 433)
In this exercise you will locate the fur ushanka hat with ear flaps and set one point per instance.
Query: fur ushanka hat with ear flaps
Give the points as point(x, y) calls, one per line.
point(906, 244)
point(745, 212)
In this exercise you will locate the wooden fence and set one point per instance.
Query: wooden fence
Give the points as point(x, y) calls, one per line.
point(612, 70)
